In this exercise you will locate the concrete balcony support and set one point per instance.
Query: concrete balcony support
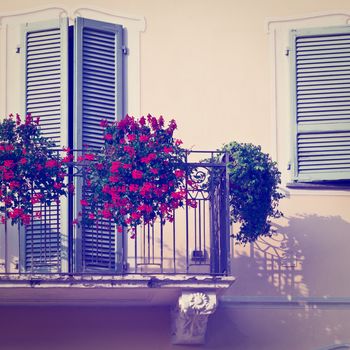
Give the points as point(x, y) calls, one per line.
point(190, 317)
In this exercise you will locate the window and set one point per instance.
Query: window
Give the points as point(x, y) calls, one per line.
point(320, 86)
point(71, 66)
point(73, 78)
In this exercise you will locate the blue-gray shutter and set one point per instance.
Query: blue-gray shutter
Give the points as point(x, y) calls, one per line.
point(45, 60)
point(98, 96)
point(320, 60)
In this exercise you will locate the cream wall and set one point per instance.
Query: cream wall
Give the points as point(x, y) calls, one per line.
point(208, 64)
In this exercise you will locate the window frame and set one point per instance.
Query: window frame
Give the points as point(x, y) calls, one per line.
point(317, 179)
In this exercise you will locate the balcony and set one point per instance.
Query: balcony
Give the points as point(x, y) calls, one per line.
point(186, 262)
point(195, 246)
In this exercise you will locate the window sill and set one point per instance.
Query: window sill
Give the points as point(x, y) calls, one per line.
point(334, 186)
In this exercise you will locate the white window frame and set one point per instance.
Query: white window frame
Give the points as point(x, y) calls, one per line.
point(278, 31)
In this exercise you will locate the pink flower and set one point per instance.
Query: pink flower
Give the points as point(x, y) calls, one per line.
point(145, 207)
point(154, 171)
point(179, 173)
point(15, 213)
point(84, 202)
point(191, 203)
point(144, 138)
point(25, 219)
point(91, 216)
point(57, 185)
point(51, 163)
point(114, 178)
point(9, 147)
point(142, 121)
point(136, 174)
point(167, 149)
point(178, 195)
point(106, 214)
point(115, 166)
point(68, 158)
point(130, 150)
point(28, 119)
point(106, 189)
point(145, 160)
point(8, 163)
point(133, 188)
point(108, 137)
point(127, 166)
point(121, 189)
point(14, 184)
point(104, 123)
point(89, 156)
point(8, 175)
point(135, 216)
point(131, 137)
point(36, 198)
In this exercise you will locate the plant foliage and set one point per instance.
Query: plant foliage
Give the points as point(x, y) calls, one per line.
point(30, 170)
point(138, 174)
point(254, 194)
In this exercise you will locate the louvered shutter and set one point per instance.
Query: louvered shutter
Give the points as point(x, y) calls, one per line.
point(98, 96)
point(45, 59)
point(320, 61)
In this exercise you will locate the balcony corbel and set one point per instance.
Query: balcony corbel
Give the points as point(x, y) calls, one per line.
point(190, 317)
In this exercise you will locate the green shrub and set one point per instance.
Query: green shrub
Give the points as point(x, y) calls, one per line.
point(254, 194)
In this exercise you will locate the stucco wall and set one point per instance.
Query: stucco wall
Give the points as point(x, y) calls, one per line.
point(208, 64)
point(110, 328)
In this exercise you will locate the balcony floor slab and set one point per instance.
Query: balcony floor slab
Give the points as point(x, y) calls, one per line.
point(93, 289)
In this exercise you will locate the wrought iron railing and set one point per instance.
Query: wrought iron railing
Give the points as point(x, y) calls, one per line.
point(196, 242)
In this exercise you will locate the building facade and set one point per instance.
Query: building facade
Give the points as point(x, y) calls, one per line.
point(270, 73)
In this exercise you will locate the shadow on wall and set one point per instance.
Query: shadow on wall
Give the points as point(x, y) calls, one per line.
point(305, 257)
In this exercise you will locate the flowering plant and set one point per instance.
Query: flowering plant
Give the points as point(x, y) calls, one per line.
point(30, 170)
point(137, 176)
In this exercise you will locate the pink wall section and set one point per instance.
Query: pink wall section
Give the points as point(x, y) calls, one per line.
point(308, 256)
point(110, 328)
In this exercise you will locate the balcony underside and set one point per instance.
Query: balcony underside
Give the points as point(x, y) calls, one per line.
point(121, 290)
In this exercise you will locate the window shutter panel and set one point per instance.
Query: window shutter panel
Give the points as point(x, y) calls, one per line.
point(45, 59)
point(321, 103)
point(98, 96)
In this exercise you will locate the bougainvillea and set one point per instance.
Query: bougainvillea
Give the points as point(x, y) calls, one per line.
point(137, 176)
point(30, 170)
